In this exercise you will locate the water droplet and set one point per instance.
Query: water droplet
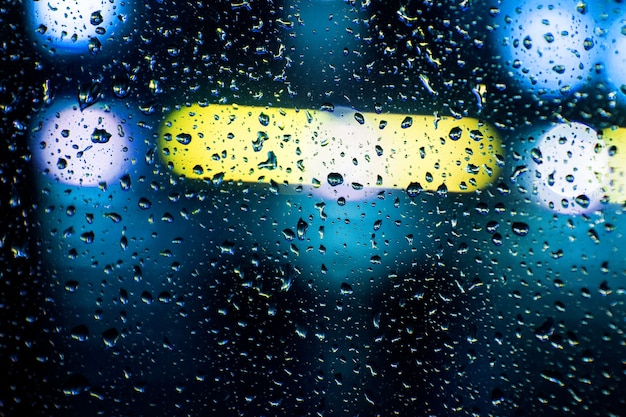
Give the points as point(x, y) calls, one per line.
point(583, 201)
point(536, 156)
point(414, 189)
point(379, 150)
point(289, 235)
point(198, 170)
point(264, 119)
point(301, 229)
point(75, 384)
point(184, 138)
point(125, 182)
point(442, 190)
point(346, 289)
point(71, 286)
point(61, 163)
point(100, 136)
point(121, 86)
point(146, 298)
point(497, 239)
point(257, 144)
point(407, 122)
point(455, 133)
point(94, 46)
point(335, 179)
point(382, 124)
point(144, 203)
point(96, 18)
point(520, 229)
point(80, 333)
point(110, 337)
point(88, 94)
point(378, 108)
point(492, 226)
point(549, 37)
point(271, 162)
point(87, 237)
point(545, 331)
point(327, 107)
point(359, 118)
point(527, 42)
point(476, 135)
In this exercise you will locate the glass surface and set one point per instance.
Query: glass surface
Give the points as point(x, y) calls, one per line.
point(315, 207)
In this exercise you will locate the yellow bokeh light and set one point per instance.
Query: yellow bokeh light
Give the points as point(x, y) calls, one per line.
point(297, 146)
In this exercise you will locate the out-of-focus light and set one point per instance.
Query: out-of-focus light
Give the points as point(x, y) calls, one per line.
point(76, 26)
point(344, 150)
point(548, 49)
point(85, 147)
point(615, 58)
point(571, 169)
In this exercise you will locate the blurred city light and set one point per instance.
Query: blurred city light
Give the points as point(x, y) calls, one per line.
point(72, 27)
point(82, 147)
point(338, 151)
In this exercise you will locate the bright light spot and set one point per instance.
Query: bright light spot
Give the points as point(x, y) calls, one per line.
point(547, 48)
point(343, 153)
point(76, 26)
point(81, 148)
point(571, 168)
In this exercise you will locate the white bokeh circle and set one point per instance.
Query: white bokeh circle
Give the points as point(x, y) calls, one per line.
point(69, 26)
point(74, 146)
point(570, 168)
point(547, 48)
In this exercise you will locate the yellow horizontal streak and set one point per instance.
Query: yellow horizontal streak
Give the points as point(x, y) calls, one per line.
point(378, 150)
point(615, 189)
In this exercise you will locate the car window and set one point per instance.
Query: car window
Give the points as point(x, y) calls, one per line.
point(317, 207)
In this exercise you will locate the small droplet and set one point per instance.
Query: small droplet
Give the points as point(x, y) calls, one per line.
point(527, 42)
point(476, 135)
point(536, 156)
point(184, 138)
point(520, 228)
point(583, 201)
point(80, 333)
point(346, 289)
point(414, 189)
point(61, 163)
point(301, 229)
point(359, 118)
point(144, 203)
point(407, 122)
point(87, 237)
point(110, 336)
point(264, 119)
point(121, 86)
point(96, 18)
point(88, 94)
point(442, 190)
point(455, 133)
point(335, 179)
point(198, 170)
point(125, 182)
point(327, 107)
point(100, 136)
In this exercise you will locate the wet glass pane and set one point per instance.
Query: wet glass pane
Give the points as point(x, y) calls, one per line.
point(321, 207)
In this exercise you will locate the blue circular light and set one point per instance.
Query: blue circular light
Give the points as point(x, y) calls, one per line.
point(72, 27)
point(548, 49)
